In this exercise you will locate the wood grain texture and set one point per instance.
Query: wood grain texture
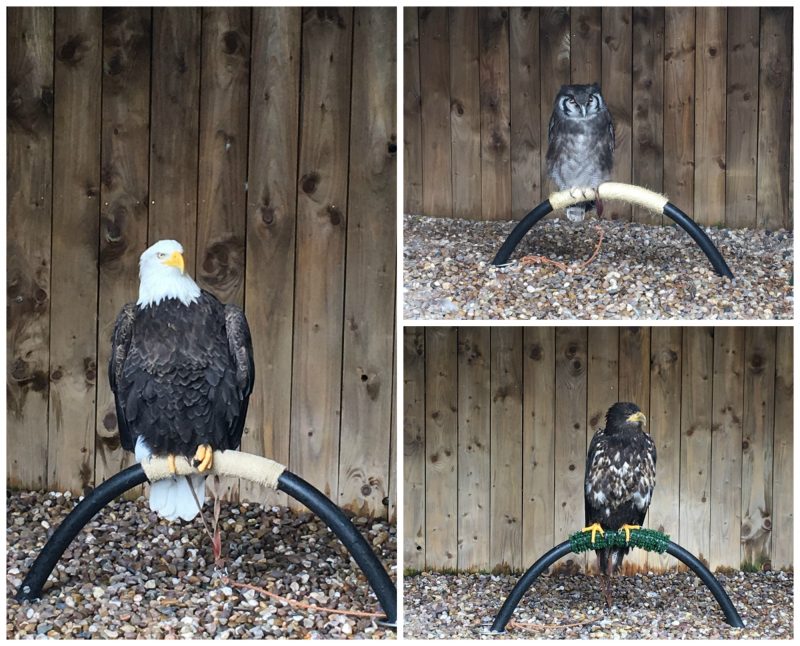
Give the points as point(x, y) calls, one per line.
point(783, 477)
point(474, 448)
point(726, 446)
point(434, 60)
point(774, 118)
point(414, 392)
point(586, 45)
point(76, 216)
point(709, 128)
point(570, 440)
point(741, 117)
point(465, 112)
point(538, 442)
point(617, 76)
point(175, 127)
point(647, 138)
point(123, 197)
point(695, 441)
point(554, 62)
point(370, 267)
point(29, 167)
point(441, 447)
point(495, 114)
point(665, 429)
point(321, 230)
point(679, 52)
point(506, 456)
point(757, 445)
point(222, 173)
point(526, 105)
point(271, 226)
point(412, 117)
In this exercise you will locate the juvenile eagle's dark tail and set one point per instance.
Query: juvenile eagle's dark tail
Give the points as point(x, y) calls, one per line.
point(610, 559)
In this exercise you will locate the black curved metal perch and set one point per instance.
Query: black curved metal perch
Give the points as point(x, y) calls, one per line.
point(670, 210)
point(527, 579)
point(289, 483)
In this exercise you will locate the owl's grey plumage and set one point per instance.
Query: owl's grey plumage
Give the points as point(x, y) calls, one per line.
point(580, 137)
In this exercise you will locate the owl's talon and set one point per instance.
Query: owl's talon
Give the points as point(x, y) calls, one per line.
point(203, 457)
point(171, 464)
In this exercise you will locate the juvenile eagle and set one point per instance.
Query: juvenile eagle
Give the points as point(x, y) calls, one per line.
point(181, 371)
point(619, 482)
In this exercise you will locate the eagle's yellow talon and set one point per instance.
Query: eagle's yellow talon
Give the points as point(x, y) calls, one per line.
point(627, 529)
point(171, 464)
point(594, 528)
point(204, 456)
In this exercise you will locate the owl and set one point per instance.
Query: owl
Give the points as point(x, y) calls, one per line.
point(580, 139)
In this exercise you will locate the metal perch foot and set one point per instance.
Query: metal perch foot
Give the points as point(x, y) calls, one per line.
point(233, 463)
point(646, 539)
point(620, 192)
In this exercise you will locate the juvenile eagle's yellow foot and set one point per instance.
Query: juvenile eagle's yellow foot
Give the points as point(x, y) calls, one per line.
point(594, 528)
point(204, 457)
point(171, 464)
point(627, 529)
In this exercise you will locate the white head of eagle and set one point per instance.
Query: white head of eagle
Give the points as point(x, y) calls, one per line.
point(181, 370)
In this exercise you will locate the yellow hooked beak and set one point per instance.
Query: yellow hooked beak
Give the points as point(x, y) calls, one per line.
point(175, 260)
point(638, 417)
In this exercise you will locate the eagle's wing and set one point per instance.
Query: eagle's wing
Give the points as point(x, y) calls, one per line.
point(120, 343)
point(241, 349)
point(596, 463)
point(646, 482)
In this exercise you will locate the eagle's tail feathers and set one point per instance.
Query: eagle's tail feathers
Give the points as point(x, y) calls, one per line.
point(172, 498)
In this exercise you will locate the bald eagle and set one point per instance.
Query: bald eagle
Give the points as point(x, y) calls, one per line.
point(181, 371)
point(619, 482)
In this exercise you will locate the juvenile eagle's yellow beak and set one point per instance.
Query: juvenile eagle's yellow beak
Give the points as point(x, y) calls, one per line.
point(175, 260)
point(638, 417)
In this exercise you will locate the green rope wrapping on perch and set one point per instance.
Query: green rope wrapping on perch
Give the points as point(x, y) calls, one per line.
point(646, 539)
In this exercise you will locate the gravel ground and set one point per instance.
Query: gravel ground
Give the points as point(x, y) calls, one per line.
point(641, 272)
point(129, 574)
point(672, 606)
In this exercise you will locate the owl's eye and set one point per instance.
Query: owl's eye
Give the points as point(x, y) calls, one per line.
point(591, 99)
point(571, 101)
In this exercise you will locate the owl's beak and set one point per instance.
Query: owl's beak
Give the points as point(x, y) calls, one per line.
point(176, 260)
point(638, 416)
point(583, 109)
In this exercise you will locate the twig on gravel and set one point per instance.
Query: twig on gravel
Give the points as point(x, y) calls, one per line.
point(529, 260)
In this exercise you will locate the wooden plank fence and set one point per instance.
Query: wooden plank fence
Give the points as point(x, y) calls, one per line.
point(701, 99)
point(229, 130)
point(498, 421)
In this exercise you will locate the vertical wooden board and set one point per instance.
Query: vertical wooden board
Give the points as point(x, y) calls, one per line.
point(222, 173)
point(123, 199)
point(774, 112)
point(679, 39)
point(29, 168)
point(665, 429)
point(757, 444)
point(783, 480)
point(726, 447)
point(414, 448)
point(709, 129)
point(617, 91)
point(441, 448)
point(602, 386)
point(271, 223)
point(370, 267)
point(465, 112)
point(570, 441)
point(76, 214)
point(174, 127)
point(495, 115)
point(554, 66)
point(506, 454)
point(393, 448)
point(434, 62)
point(696, 393)
point(538, 442)
point(634, 386)
point(474, 444)
point(741, 140)
point(412, 108)
point(525, 99)
point(647, 139)
point(586, 46)
point(319, 264)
